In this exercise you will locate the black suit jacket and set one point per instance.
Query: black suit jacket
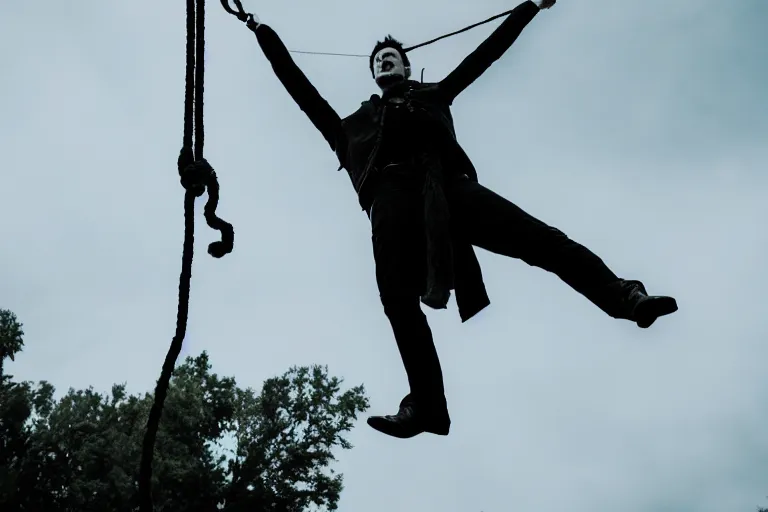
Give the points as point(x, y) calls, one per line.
point(356, 138)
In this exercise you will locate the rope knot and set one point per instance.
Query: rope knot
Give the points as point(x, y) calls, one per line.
point(196, 175)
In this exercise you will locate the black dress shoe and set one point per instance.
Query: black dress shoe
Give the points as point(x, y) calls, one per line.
point(410, 422)
point(646, 309)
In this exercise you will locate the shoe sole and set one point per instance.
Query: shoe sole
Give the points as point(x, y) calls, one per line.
point(649, 310)
point(391, 429)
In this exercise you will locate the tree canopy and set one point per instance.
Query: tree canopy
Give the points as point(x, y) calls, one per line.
point(219, 446)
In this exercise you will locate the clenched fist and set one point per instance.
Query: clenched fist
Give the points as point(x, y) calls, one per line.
point(253, 22)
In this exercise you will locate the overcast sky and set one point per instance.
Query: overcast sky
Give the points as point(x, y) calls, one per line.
point(639, 128)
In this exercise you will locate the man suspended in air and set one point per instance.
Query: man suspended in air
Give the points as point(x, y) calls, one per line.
point(427, 210)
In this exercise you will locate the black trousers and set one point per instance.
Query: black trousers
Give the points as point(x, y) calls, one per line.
point(486, 220)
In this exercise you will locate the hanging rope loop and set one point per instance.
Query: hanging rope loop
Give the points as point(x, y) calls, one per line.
point(196, 176)
point(239, 13)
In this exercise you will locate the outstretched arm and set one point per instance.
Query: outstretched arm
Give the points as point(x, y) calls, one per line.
point(322, 115)
point(492, 48)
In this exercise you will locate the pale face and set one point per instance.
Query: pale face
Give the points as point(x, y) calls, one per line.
point(388, 67)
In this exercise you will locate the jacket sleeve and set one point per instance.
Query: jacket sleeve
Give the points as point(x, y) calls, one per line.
point(489, 51)
point(322, 115)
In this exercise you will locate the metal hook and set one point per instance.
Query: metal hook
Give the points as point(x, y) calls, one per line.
point(239, 13)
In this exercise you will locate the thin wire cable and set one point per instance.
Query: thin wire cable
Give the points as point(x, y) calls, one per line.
point(329, 53)
point(411, 48)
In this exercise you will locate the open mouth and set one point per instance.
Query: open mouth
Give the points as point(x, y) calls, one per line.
point(387, 66)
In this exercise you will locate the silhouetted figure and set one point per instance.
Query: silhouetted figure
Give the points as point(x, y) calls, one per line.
point(427, 210)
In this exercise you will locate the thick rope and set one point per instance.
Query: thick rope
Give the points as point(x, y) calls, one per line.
point(196, 176)
point(186, 157)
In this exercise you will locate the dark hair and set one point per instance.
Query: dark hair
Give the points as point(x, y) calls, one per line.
point(388, 42)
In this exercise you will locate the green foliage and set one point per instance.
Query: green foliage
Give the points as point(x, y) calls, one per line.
point(218, 447)
point(11, 338)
